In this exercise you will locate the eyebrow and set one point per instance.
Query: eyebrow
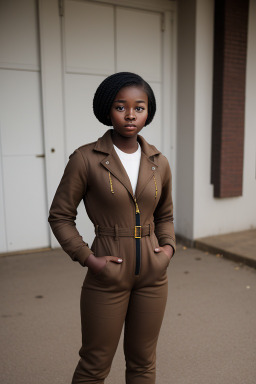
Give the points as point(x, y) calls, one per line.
point(124, 101)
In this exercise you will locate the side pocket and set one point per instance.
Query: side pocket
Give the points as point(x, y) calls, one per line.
point(160, 255)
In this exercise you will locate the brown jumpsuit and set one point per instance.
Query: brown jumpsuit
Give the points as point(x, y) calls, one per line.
point(134, 292)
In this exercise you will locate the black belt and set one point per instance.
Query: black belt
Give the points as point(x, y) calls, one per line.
point(137, 232)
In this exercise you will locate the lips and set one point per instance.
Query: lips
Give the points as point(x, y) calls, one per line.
point(130, 126)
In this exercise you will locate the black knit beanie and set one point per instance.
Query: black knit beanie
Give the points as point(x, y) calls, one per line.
point(108, 89)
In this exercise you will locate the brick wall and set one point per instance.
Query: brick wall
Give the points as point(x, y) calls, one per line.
point(230, 48)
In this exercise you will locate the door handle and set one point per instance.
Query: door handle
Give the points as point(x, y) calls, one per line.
point(42, 155)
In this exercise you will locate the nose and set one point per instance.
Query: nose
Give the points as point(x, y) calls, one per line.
point(130, 115)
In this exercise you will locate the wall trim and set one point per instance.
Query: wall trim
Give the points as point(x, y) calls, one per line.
point(150, 5)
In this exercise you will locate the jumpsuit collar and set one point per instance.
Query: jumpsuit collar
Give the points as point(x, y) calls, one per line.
point(113, 164)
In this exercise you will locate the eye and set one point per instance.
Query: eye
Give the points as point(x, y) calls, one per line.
point(120, 108)
point(140, 109)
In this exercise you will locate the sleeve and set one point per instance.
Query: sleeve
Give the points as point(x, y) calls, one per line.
point(163, 215)
point(63, 210)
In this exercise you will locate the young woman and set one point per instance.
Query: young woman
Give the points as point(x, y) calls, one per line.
point(125, 184)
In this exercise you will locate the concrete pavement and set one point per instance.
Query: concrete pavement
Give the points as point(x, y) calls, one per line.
point(236, 246)
point(208, 335)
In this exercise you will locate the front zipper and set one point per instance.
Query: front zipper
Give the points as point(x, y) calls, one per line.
point(137, 235)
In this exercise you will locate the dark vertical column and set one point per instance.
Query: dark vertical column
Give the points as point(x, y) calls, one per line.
point(230, 49)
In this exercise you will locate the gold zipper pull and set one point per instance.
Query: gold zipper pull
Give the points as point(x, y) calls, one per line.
point(155, 186)
point(136, 205)
point(111, 183)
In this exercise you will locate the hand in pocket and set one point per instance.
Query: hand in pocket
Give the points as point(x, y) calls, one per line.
point(167, 249)
point(96, 264)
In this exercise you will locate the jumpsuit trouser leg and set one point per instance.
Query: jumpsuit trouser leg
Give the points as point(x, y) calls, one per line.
point(103, 314)
point(102, 318)
point(142, 326)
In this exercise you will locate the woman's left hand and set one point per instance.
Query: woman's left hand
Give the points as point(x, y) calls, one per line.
point(167, 249)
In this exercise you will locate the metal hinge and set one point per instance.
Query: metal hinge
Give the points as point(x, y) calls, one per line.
point(61, 8)
point(163, 22)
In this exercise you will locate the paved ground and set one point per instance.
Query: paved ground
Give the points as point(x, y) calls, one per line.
point(208, 335)
point(238, 246)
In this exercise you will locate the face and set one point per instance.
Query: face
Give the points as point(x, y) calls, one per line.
point(129, 111)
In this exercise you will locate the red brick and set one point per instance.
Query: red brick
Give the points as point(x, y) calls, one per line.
point(230, 48)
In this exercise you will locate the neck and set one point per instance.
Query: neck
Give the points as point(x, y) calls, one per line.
point(128, 145)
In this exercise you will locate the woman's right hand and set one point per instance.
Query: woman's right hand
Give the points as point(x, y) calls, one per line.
point(96, 264)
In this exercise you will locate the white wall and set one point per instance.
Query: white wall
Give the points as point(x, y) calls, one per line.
point(198, 213)
point(214, 215)
point(184, 183)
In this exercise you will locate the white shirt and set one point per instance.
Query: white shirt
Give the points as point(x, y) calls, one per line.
point(131, 163)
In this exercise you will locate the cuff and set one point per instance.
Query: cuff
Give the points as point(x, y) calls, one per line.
point(83, 254)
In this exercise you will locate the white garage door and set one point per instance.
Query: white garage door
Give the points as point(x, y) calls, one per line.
point(23, 211)
point(99, 40)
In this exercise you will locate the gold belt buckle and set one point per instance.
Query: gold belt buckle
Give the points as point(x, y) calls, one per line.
point(137, 232)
